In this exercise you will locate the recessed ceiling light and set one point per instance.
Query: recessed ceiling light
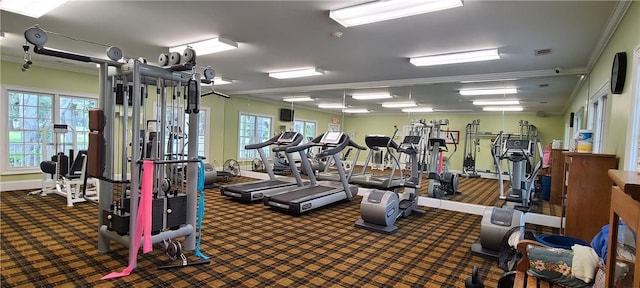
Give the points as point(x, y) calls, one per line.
point(209, 46)
point(31, 8)
point(296, 73)
point(298, 99)
point(399, 104)
point(331, 106)
point(462, 57)
point(356, 110)
point(378, 11)
point(496, 102)
point(498, 91)
point(371, 96)
point(503, 108)
point(418, 110)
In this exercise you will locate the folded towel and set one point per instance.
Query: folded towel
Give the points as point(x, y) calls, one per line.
point(584, 263)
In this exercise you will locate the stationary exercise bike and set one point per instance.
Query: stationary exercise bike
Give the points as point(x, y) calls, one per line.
point(380, 209)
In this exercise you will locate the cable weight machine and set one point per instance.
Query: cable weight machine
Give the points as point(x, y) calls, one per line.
point(108, 151)
point(471, 147)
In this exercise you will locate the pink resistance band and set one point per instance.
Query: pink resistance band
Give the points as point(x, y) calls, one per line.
point(143, 220)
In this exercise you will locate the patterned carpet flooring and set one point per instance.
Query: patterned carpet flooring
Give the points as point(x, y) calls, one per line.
point(44, 244)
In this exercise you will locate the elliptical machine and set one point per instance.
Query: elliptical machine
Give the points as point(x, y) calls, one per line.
point(380, 209)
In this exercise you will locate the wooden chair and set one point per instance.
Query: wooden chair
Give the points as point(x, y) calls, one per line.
point(524, 280)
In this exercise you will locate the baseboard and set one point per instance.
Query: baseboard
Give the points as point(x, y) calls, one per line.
point(21, 185)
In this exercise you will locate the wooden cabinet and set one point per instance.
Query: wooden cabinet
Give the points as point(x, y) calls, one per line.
point(587, 193)
point(625, 205)
point(557, 172)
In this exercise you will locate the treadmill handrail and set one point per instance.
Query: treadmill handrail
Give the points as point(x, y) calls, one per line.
point(336, 149)
point(295, 142)
point(355, 145)
point(269, 142)
point(305, 146)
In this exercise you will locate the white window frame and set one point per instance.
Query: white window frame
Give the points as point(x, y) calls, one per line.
point(4, 125)
point(304, 125)
point(632, 155)
point(207, 123)
point(268, 153)
point(598, 117)
point(572, 132)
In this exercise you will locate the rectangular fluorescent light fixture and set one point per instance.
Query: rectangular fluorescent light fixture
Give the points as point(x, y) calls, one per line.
point(331, 106)
point(452, 110)
point(462, 57)
point(371, 96)
point(296, 73)
point(503, 108)
point(356, 111)
point(498, 91)
point(399, 104)
point(378, 11)
point(418, 110)
point(496, 102)
point(298, 99)
point(31, 8)
point(209, 46)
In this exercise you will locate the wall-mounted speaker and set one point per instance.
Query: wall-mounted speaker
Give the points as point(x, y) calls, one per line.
point(571, 119)
point(618, 72)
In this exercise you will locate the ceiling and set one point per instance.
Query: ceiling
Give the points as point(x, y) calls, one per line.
point(282, 35)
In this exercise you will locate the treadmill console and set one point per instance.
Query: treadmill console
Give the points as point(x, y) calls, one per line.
point(287, 137)
point(331, 138)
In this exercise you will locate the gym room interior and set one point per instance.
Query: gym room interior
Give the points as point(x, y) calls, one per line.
point(404, 143)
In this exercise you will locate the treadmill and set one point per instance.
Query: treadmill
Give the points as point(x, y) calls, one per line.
point(317, 194)
point(328, 175)
point(256, 190)
point(381, 181)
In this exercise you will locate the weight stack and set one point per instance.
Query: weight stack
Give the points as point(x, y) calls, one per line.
point(116, 221)
point(176, 211)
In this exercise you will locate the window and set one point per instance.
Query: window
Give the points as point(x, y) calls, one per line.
point(306, 128)
point(174, 119)
point(253, 129)
point(632, 155)
point(74, 111)
point(597, 113)
point(28, 114)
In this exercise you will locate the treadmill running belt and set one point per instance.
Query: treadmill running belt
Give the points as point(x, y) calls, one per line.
point(301, 195)
point(254, 186)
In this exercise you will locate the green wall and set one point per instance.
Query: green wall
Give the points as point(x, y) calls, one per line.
point(224, 113)
point(625, 39)
point(550, 127)
point(45, 79)
point(255, 105)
